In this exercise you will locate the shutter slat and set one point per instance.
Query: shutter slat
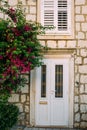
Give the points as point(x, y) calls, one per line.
point(48, 13)
point(62, 15)
point(55, 13)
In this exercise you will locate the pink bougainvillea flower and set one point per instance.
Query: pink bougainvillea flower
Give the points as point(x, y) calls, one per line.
point(16, 31)
point(27, 28)
point(11, 11)
point(1, 57)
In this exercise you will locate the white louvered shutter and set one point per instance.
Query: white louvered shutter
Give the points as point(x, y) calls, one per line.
point(56, 13)
point(47, 12)
point(62, 15)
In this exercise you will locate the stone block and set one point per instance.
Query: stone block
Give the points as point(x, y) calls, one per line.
point(79, 18)
point(76, 108)
point(76, 69)
point(25, 89)
point(71, 44)
point(23, 98)
point(83, 52)
point(82, 89)
point(26, 9)
point(76, 90)
point(78, 10)
point(21, 116)
point(77, 78)
point(61, 44)
point(83, 108)
point(83, 79)
point(86, 88)
point(51, 44)
point(86, 33)
point(13, 2)
point(85, 60)
point(31, 17)
point(43, 43)
point(84, 27)
point(31, 2)
point(14, 98)
point(76, 99)
point(28, 98)
point(23, 2)
point(20, 106)
point(84, 9)
point(82, 43)
point(79, 2)
point(76, 125)
point(32, 10)
point(26, 108)
point(82, 69)
point(80, 35)
point(83, 98)
point(83, 125)
point(77, 117)
point(78, 27)
point(78, 60)
point(84, 117)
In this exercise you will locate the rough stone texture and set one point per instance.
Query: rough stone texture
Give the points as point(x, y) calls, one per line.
point(77, 117)
point(80, 35)
point(13, 2)
point(76, 108)
point(79, 42)
point(32, 9)
point(80, 2)
point(84, 52)
point(83, 99)
point(76, 99)
point(83, 79)
point(25, 89)
point(80, 18)
point(85, 60)
point(83, 108)
point(82, 69)
point(71, 44)
point(78, 60)
point(84, 27)
point(61, 44)
point(14, 98)
point(52, 44)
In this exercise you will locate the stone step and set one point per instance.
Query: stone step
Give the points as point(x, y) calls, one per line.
point(33, 128)
point(51, 129)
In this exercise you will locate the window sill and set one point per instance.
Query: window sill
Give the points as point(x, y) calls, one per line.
point(55, 36)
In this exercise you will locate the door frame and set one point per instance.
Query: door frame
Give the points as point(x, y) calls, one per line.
point(62, 55)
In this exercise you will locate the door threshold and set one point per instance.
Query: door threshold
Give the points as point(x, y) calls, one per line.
point(61, 127)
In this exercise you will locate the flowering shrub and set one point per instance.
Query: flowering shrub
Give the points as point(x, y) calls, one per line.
point(20, 49)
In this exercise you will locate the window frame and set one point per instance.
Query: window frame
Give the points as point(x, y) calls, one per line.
point(56, 35)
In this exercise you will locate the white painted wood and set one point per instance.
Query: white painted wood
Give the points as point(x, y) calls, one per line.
point(49, 15)
point(51, 111)
point(60, 54)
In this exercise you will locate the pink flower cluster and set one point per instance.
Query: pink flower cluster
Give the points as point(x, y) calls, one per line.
point(21, 63)
point(12, 13)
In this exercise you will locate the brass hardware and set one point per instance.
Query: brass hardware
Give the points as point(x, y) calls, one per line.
point(43, 102)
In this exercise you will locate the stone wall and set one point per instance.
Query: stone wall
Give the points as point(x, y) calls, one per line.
point(80, 44)
point(22, 100)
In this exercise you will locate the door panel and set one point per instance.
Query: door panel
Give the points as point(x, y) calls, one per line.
point(52, 109)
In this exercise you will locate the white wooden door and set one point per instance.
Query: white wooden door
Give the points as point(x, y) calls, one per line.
point(51, 100)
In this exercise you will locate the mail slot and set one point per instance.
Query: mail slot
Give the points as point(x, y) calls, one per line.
point(43, 102)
